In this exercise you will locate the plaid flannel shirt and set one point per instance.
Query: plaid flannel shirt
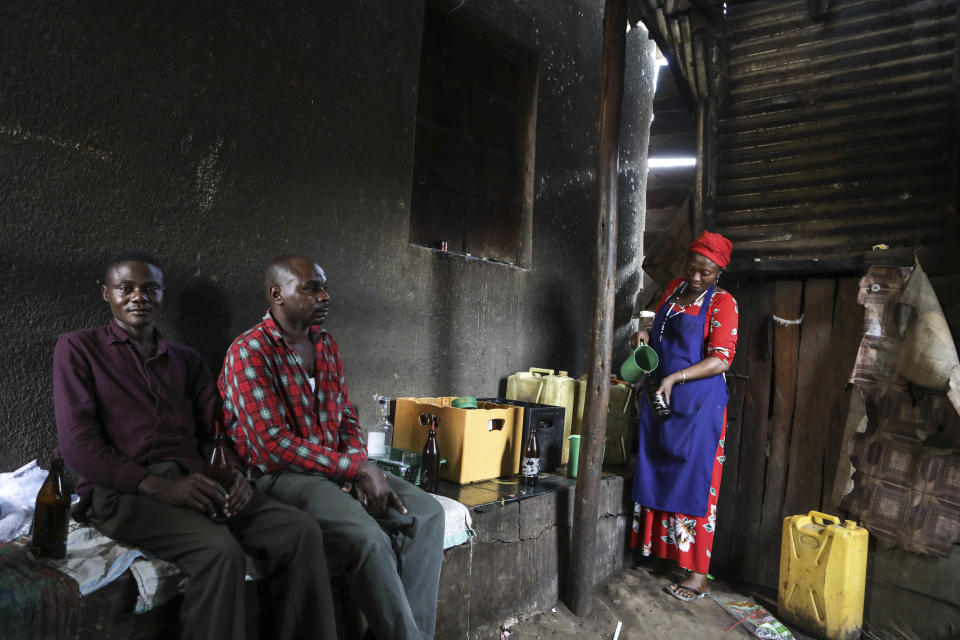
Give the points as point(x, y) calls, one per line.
point(276, 421)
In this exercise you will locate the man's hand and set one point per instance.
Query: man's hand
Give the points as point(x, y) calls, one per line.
point(371, 489)
point(195, 491)
point(239, 495)
point(356, 492)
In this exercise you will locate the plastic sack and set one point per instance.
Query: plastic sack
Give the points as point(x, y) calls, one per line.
point(757, 620)
point(18, 495)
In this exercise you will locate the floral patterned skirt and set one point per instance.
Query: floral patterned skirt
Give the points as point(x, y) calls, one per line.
point(677, 536)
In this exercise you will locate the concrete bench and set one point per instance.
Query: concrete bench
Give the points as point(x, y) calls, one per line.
point(515, 565)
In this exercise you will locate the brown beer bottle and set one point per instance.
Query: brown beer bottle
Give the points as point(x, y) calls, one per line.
point(530, 466)
point(217, 466)
point(52, 514)
point(430, 462)
point(658, 404)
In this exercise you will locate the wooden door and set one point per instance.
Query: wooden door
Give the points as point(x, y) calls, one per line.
point(789, 396)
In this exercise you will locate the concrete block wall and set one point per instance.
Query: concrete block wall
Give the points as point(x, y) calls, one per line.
point(217, 137)
point(518, 562)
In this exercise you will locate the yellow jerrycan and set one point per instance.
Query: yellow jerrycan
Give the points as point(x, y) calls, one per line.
point(621, 417)
point(543, 387)
point(823, 571)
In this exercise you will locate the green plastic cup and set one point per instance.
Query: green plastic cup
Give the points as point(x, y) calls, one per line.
point(573, 457)
point(640, 363)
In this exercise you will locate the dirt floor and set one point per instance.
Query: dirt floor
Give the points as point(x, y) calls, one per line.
point(635, 598)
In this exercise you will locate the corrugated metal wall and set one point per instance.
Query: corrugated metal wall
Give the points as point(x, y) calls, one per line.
point(836, 135)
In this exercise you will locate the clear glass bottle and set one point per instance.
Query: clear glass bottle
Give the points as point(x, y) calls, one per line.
point(380, 435)
point(530, 465)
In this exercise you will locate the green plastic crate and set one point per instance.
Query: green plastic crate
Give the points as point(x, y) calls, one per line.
point(408, 469)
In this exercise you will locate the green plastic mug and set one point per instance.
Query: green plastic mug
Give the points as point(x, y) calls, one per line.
point(573, 457)
point(640, 363)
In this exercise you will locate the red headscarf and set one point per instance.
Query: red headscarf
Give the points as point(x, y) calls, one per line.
point(713, 246)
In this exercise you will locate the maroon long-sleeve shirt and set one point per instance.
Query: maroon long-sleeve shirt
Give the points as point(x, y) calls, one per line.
point(117, 414)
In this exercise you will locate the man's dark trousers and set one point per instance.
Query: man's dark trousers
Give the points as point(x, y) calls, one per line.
point(287, 541)
point(391, 562)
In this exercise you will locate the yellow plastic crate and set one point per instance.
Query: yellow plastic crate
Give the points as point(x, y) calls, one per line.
point(823, 571)
point(478, 444)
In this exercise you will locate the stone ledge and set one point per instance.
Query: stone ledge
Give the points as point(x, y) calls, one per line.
point(516, 565)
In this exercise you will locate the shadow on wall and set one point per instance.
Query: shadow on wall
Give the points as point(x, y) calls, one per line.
point(201, 314)
point(563, 340)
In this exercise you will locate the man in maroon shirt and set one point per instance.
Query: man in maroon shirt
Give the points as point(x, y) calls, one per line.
point(134, 418)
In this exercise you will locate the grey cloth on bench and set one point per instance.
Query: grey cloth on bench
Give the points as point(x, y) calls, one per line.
point(94, 560)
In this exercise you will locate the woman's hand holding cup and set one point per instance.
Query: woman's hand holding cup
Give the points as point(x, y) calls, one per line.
point(638, 337)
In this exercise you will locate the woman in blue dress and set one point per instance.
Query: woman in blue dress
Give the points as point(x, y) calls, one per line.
point(680, 459)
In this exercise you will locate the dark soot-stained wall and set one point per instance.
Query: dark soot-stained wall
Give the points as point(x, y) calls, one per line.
point(219, 137)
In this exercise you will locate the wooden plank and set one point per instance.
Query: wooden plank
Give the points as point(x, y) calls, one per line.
point(668, 37)
point(842, 478)
point(955, 142)
point(845, 342)
point(729, 542)
point(683, 23)
point(700, 186)
point(839, 207)
point(700, 58)
point(816, 389)
point(843, 116)
point(710, 160)
point(754, 430)
point(722, 560)
point(786, 343)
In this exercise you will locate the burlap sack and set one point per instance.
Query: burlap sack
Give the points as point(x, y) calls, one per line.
point(928, 355)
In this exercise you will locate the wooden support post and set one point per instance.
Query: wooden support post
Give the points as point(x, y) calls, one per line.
point(700, 186)
point(705, 188)
point(583, 554)
point(955, 110)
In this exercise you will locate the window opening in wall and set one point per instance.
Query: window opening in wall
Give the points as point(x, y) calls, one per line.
point(660, 161)
point(476, 123)
point(671, 176)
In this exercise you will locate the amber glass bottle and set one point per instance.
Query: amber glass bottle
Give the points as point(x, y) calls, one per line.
point(52, 514)
point(657, 402)
point(217, 466)
point(430, 462)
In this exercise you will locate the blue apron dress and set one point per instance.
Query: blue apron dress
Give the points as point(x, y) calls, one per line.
point(675, 457)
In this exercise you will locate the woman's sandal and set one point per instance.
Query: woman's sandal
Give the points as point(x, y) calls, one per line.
point(674, 590)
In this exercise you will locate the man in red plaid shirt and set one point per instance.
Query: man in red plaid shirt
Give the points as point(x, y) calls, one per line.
point(288, 411)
